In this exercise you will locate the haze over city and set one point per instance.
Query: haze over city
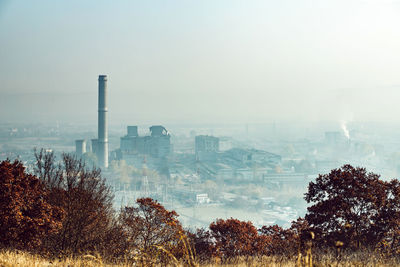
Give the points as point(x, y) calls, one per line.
point(201, 61)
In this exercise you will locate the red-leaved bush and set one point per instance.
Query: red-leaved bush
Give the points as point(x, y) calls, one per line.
point(26, 215)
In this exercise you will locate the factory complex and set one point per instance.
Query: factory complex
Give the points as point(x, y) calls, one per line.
point(156, 150)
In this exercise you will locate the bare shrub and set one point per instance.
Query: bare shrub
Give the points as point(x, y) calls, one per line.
point(83, 195)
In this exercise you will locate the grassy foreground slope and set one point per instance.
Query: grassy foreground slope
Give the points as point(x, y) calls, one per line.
point(23, 259)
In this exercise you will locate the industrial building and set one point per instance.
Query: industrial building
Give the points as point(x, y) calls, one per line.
point(206, 147)
point(156, 145)
point(230, 166)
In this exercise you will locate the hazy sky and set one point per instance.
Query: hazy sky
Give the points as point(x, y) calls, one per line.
point(201, 61)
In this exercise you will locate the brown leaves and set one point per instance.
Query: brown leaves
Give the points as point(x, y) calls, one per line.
point(235, 238)
point(26, 215)
point(150, 228)
point(352, 206)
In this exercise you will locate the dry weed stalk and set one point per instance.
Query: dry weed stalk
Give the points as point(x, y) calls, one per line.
point(306, 245)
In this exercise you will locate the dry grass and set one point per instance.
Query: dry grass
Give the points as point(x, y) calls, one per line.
point(22, 259)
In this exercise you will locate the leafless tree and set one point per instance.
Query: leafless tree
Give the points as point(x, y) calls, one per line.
point(85, 198)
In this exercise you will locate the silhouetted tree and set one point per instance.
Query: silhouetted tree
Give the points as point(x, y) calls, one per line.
point(353, 206)
point(26, 215)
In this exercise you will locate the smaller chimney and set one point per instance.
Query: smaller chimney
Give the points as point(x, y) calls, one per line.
point(80, 147)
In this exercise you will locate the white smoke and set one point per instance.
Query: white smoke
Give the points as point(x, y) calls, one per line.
point(345, 130)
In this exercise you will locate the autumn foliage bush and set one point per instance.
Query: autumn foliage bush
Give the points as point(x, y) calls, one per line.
point(231, 239)
point(280, 241)
point(153, 232)
point(234, 238)
point(26, 214)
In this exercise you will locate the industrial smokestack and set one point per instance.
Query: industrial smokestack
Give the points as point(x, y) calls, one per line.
point(102, 145)
point(80, 147)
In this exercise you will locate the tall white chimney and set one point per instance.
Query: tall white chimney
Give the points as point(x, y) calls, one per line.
point(102, 149)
